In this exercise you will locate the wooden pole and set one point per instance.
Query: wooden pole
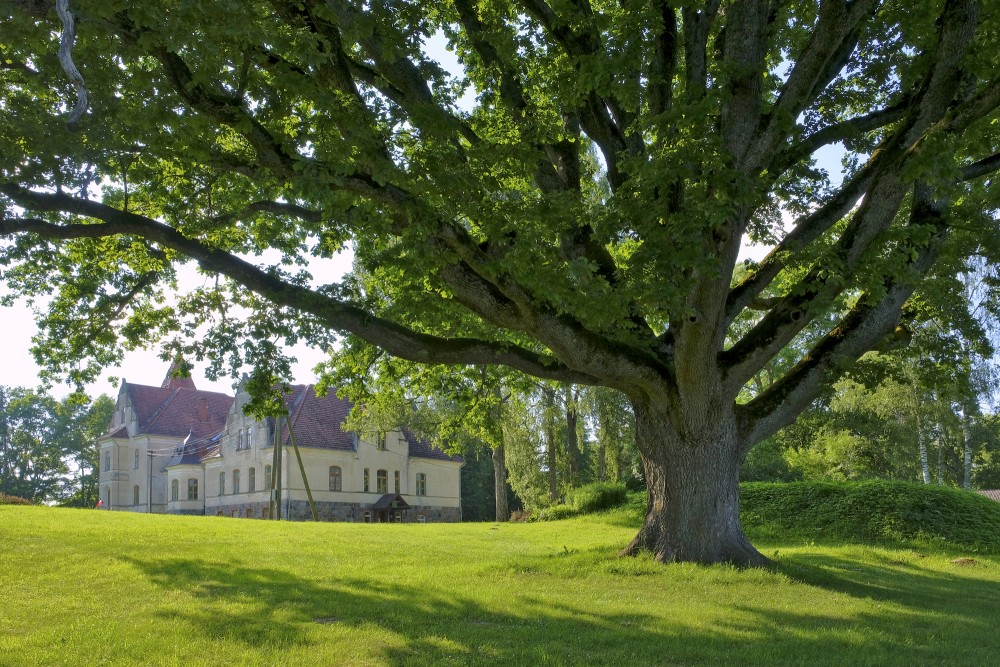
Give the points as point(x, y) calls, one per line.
point(275, 462)
point(302, 471)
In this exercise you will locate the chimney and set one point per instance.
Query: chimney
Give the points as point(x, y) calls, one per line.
point(203, 409)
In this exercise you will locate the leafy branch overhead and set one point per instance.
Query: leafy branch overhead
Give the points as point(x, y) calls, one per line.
point(570, 200)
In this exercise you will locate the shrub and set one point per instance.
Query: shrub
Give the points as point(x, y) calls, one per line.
point(557, 512)
point(13, 500)
point(598, 496)
point(872, 511)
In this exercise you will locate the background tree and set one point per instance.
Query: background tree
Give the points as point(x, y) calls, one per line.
point(48, 448)
point(577, 216)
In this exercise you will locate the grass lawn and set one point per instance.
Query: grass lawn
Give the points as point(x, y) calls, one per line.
point(86, 587)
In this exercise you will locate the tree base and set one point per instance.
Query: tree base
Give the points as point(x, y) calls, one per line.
point(724, 548)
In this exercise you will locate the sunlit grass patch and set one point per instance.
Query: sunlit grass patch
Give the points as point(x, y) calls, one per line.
point(115, 588)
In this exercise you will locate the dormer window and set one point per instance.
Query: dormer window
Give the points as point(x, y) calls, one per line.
point(380, 440)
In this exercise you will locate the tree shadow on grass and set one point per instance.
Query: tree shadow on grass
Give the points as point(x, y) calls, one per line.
point(902, 581)
point(272, 608)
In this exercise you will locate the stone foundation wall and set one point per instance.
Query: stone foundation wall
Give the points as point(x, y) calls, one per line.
point(187, 512)
point(298, 510)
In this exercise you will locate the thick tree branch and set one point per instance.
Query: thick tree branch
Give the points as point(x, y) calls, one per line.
point(814, 293)
point(829, 46)
point(875, 214)
point(980, 168)
point(831, 134)
point(805, 231)
point(66, 60)
point(602, 115)
point(743, 58)
point(273, 207)
point(697, 22)
point(664, 61)
point(398, 340)
point(865, 327)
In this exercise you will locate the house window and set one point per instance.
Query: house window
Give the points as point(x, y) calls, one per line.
point(252, 480)
point(135, 495)
point(335, 478)
point(249, 438)
point(107, 461)
point(107, 497)
point(368, 517)
point(396, 482)
point(175, 490)
point(236, 481)
point(267, 478)
point(366, 480)
point(222, 483)
point(421, 518)
point(380, 440)
point(192, 489)
point(239, 440)
point(421, 484)
point(382, 481)
point(136, 466)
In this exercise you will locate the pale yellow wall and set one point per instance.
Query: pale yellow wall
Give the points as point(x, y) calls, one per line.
point(124, 474)
point(443, 477)
point(182, 473)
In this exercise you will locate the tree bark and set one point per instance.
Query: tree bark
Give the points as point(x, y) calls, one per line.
point(500, 482)
point(940, 459)
point(549, 402)
point(602, 460)
point(572, 440)
point(925, 469)
point(692, 477)
point(967, 444)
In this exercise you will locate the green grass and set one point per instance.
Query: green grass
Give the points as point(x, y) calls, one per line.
point(88, 587)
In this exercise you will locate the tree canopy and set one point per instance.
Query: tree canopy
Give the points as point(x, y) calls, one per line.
point(48, 447)
point(570, 204)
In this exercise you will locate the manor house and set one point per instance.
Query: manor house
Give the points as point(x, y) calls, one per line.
point(179, 450)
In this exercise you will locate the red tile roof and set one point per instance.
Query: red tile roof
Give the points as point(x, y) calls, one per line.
point(178, 412)
point(420, 448)
point(317, 422)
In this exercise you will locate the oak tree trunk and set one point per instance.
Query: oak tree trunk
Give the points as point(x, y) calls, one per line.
point(692, 478)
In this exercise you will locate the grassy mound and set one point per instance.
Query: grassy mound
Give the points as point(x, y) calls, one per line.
point(596, 497)
point(875, 511)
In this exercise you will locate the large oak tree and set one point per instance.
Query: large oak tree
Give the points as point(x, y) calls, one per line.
point(570, 204)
